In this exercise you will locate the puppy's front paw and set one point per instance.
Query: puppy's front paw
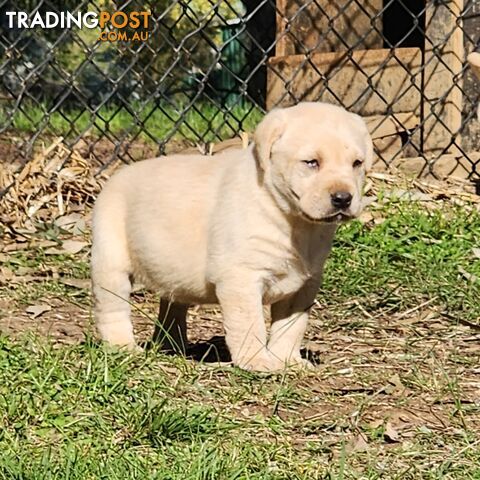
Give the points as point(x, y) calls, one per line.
point(126, 347)
point(133, 348)
point(261, 362)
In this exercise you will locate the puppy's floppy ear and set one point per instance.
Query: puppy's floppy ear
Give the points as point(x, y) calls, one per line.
point(266, 134)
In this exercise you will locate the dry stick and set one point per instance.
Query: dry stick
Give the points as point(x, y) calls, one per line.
point(472, 325)
point(414, 309)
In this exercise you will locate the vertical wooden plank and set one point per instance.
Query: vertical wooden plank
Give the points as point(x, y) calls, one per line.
point(282, 38)
point(442, 87)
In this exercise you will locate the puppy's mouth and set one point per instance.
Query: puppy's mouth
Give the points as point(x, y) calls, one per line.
point(339, 217)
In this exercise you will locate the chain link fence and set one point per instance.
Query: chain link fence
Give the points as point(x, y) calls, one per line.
point(203, 71)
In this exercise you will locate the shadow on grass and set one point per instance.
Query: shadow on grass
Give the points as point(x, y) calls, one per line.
point(215, 350)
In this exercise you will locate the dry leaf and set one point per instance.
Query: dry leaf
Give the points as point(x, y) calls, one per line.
point(73, 246)
point(359, 443)
point(468, 276)
point(37, 310)
point(6, 274)
point(476, 252)
point(396, 381)
point(80, 227)
point(390, 433)
point(21, 271)
point(366, 217)
point(395, 386)
point(70, 247)
point(67, 220)
point(15, 246)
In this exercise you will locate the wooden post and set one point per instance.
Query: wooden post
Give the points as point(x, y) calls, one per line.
point(327, 26)
point(444, 53)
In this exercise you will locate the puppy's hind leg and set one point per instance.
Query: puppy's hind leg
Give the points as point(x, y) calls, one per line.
point(171, 326)
point(111, 282)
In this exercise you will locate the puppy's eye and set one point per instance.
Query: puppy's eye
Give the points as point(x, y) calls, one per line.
point(357, 163)
point(311, 163)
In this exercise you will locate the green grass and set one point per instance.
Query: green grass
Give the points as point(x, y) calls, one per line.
point(415, 255)
point(86, 412)
point(149, 122)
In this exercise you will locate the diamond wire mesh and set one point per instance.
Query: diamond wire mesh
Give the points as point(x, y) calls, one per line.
point(210, 69)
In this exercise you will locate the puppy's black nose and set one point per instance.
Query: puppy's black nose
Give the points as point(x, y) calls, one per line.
point(341, 199)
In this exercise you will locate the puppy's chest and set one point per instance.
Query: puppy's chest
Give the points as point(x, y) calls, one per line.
point(285, 277)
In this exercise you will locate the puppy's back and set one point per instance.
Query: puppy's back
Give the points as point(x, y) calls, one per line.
point(160, 212)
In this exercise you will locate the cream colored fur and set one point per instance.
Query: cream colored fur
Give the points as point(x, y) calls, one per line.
point(244, 228)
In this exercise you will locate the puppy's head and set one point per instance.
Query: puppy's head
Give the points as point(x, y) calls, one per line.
point(314, 157)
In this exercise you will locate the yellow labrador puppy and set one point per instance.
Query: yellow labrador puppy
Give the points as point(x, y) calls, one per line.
point(244, 228)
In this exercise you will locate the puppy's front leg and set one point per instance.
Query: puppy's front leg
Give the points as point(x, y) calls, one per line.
point(289, 322)
point(244, 323)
